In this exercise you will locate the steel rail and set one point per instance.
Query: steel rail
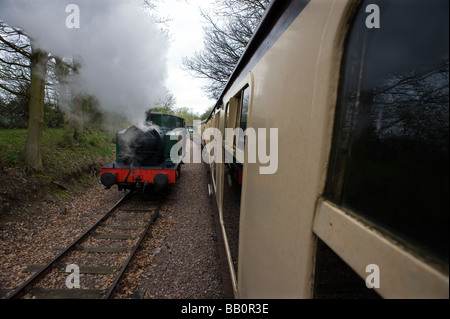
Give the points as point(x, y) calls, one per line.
point(124, 266)
point(26, 286)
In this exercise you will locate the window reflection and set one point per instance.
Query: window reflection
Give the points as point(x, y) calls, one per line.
point(243, 118)
point(389, 161)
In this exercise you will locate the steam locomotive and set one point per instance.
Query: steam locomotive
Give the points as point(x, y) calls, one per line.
point(147, 155)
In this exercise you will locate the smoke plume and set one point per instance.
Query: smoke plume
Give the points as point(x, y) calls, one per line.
point(120, 50)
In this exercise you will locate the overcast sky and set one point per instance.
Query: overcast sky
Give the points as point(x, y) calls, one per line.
point(186, 32)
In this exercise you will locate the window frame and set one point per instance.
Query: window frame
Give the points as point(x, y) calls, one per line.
point(404, 273)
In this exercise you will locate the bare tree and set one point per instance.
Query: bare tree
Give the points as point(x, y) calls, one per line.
point(166, 104)
point(32, 152)
point(15, 55)
point(226, 36)
point(169, 102)
point(25, 65)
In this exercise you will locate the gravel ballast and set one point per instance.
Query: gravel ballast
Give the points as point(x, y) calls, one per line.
point(178, 259)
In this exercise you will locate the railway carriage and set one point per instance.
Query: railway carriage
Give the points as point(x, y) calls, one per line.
point(358, 204)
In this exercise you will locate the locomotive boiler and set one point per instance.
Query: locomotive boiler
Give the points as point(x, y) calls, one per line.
point(146, 155)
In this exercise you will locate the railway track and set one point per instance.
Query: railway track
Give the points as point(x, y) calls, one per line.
point(92, 266)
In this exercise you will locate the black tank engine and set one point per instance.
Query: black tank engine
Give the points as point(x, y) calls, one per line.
point(145, 156)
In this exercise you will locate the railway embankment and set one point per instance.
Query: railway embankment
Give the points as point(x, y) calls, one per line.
point(67, 165)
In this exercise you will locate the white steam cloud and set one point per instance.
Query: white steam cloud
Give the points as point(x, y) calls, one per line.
point(121, 51)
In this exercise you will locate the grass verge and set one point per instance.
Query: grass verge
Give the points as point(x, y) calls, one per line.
point(65, 163)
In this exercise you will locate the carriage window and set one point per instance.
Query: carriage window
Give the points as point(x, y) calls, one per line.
point(245, 100)
point(389, 162)
point(227, 116)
